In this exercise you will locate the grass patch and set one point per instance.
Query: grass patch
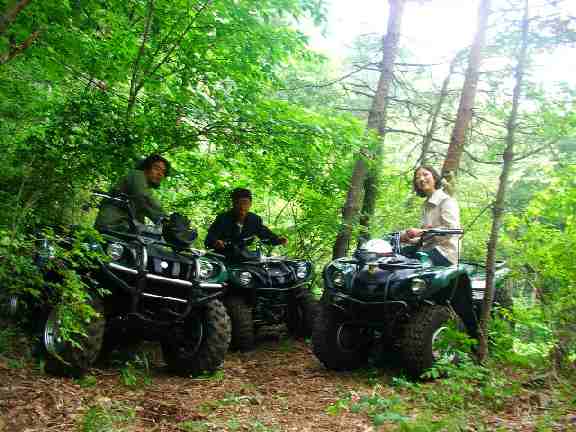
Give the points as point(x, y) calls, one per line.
point(136, 373)
point(286, 345)
point(114, 417)
point(87, 381)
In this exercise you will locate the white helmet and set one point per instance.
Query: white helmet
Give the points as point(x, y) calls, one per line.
point(377, 246)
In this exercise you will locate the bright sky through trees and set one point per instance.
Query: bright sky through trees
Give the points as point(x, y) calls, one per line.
point(432, 30)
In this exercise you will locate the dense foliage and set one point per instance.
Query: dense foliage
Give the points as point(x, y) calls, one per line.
point(229, 92)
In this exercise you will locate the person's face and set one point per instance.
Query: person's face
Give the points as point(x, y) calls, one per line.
point(242, 206)
point(156, 172)
point(424, 180)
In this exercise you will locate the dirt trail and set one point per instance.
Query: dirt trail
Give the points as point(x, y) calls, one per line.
point(278, 387)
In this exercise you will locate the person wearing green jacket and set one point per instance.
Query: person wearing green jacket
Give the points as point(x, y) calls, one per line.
point(137, 186)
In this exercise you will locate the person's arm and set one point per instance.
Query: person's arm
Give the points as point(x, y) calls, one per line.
point(264, 233)
point(215, 233)
point(144, 203)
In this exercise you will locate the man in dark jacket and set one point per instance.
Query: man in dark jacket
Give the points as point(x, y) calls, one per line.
point(137, 186)
point(239, 223)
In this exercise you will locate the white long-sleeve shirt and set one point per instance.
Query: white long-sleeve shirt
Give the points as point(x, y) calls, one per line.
point(440, 210)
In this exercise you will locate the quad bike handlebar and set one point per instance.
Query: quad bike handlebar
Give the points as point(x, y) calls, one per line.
point(442, 232)
point(431, 232)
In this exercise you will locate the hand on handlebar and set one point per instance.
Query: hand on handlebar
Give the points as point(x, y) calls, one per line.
point(413, 233)
point(219, 244)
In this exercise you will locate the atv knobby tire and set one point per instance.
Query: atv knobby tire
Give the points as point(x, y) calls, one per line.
point(417, 341)
point(301, 314)
point(200, 343)
point(241, 317)
point(337, 345)
point(65, 359)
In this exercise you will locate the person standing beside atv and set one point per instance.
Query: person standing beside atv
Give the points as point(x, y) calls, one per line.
point(137, 185)
point(238, 223)
point(439, 211)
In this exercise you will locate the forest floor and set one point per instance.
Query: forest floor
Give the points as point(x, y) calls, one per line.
point(280, 386)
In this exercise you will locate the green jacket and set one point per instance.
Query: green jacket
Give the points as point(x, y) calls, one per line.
point(145, 205)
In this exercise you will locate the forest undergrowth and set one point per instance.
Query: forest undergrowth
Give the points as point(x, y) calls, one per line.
point(280, 386)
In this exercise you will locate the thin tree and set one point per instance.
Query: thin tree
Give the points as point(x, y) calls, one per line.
point(499, 203)
point(432, 123)
point(464, 116)
point(363, 184)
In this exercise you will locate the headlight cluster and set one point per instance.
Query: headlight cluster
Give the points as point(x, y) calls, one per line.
point(207, 269)
point(339, 273)
point(242, 278)
point(418, 285)
point(303, 270)
point(245, 278)
point(46, 251)
point(338, 278)
point(115, 251)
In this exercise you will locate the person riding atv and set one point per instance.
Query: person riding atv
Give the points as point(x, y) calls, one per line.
point(137, 187)
point(262, 289)
point(238, 223)
point(379, 302)
point(439, 211)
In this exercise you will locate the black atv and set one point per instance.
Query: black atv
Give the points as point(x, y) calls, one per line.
point(266, 290)
point(159, 288)
point(382, 300)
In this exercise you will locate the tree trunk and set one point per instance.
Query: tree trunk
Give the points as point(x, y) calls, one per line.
point(362, 176)
point(464, 116)
point(423, 160)
point(498, 208)
point(351, 207)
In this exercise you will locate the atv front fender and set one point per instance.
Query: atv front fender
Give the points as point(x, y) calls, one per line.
point(452, 287)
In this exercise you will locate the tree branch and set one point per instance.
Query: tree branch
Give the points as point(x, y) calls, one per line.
point(149, 72)
point(10, 16)
point(18, 49)
point(145, 34)
point(326, 84)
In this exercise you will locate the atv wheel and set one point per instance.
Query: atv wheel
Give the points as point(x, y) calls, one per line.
point(65, 359)
point(241, 317)
point(201, 343)
point(338, 345)
point(423, 340)
point(301, 314)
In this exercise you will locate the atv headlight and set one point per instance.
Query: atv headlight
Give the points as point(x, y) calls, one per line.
point(115, 251)
point(44, 253)
point(418, 286)
point(46, 250)
point(245, 278)
point(302, 270)
point(337, 278)
point(206, 269)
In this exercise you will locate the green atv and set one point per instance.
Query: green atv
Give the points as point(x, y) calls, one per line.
point(160, 289)
point(267, 290)
point(381, 298)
